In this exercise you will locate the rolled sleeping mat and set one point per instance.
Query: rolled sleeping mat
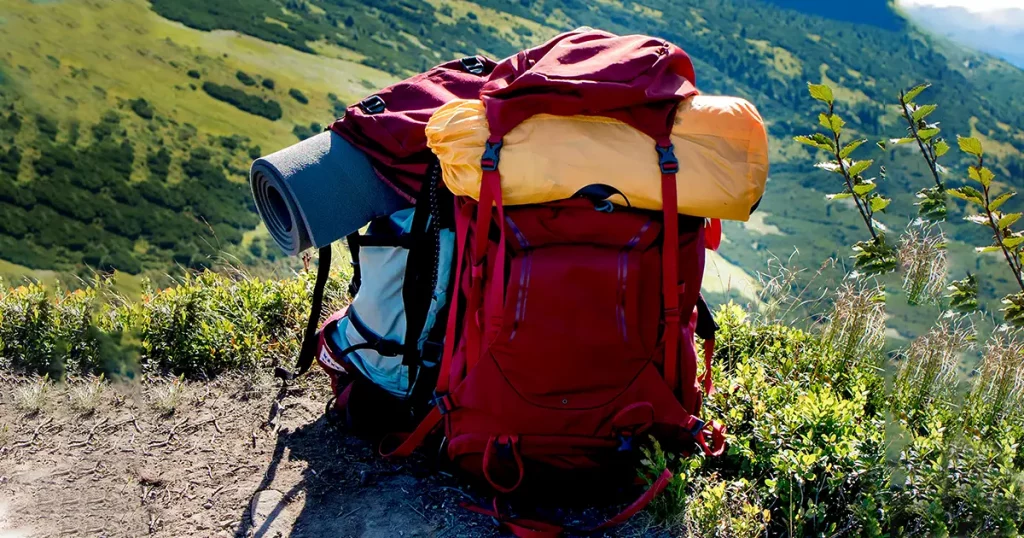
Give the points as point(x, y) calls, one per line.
point(317, 191)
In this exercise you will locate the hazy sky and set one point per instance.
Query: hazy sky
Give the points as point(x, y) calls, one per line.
point(973, 5)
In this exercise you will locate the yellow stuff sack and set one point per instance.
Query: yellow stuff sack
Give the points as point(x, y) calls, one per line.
point(720, 142)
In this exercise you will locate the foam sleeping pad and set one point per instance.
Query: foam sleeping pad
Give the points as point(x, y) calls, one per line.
point(320, 190)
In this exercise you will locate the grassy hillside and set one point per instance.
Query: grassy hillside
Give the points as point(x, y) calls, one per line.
point(118, 152)
point(223, 81)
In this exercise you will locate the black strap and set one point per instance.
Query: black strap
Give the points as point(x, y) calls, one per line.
point(422, 263)
point(706, 325)
point(309, 339)
point(357, 276)
point(383, 346)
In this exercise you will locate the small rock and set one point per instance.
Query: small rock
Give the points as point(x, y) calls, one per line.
point(208, 505)
point(364, 478)
point(261, 507)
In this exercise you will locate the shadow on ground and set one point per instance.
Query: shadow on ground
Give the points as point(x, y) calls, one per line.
point(322, 481)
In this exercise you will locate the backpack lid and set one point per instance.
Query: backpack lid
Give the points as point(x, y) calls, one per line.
point(389, 125)
point(636, 79)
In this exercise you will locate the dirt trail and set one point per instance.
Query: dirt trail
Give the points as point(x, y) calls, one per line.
point(126, 469)
point(213, 467)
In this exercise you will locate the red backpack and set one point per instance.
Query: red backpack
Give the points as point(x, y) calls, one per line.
point(573, 325)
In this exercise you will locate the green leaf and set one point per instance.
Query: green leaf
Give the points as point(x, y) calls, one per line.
point(986, 176)
point(898, 141)
point(814, 143)
point(879, 203)
point(1013, 242)
point(982, 175)
point(1000, 200)
point(1008, 220)
point(967, 193)
point(823, 120)
point(941, 148)
point(970, 145)
point(821, 92)
point(837, 123)
point(848, 149)
point(922, 112)
point(964, 294)
point(857, 167)
point(932, 206)
point(985, 250)
point(914, 92)
point(864, 188)
point(928, 134)
point(838, 196)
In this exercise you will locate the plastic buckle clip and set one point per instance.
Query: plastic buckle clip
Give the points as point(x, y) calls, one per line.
point(698, 428)
point(373, 104)
point(492, 154)
point(472, 64)
point(442, 402)
point(667, 159)
point(625, 442)
point(504, 450)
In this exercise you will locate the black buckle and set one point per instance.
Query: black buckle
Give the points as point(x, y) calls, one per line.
point(472, 64)
point(373, 104)
point(442, 402)
point(492, 154)
point(504, 450)
point(432, 350)
point(697, 428)
point(667, 159)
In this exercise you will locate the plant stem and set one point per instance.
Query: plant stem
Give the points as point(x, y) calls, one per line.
point(928, 156)
point(1010, 258)
point(865, 211)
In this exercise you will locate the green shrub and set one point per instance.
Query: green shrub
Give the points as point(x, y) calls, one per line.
point(267, 108)
point(244, 78)
point(817, 446)
point(268, 83)
point(142, 108)
point(298, 96)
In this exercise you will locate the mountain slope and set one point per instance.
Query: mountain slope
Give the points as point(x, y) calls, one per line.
point(1000, 32)
point(335, 51)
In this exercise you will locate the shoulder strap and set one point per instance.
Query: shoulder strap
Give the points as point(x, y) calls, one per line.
point(309, 340)
point(421, 271)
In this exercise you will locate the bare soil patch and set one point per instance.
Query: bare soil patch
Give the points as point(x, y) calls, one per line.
point(117, 461)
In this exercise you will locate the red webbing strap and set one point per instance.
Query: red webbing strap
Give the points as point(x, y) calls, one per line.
point(462, 220)
point(717, 447)
point(670, 265)
point(713, 234)
point(529, 528)
point(409, 442)
point(709, 352)
point(716, 430)
point(656, 488)
point(490, 196)
point(521, 528)
point(513, 442)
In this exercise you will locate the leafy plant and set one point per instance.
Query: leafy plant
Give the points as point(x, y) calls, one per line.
point(1008, 242)
point(875, 256)
point(932, 205)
